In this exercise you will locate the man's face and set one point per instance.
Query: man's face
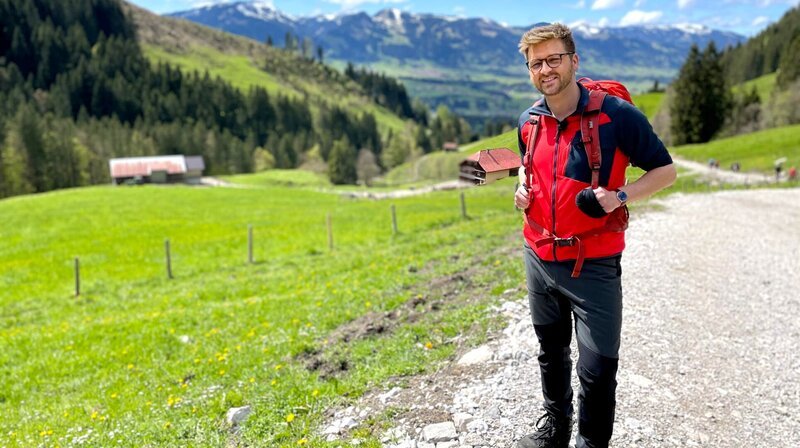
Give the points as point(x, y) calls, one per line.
point(552, 81)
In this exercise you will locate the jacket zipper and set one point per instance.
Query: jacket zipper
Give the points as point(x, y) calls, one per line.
point(553, 189)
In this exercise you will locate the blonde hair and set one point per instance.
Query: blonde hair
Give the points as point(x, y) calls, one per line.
point(543, 33)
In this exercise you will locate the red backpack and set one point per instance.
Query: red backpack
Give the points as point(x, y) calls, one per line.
point(590, 135)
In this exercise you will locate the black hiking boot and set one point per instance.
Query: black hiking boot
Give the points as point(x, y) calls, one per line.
point(551, 432)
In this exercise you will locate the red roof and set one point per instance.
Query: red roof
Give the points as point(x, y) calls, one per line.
point(498, 159)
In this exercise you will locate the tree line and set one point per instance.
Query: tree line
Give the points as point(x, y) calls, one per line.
point(702, 104)
point(76, 90)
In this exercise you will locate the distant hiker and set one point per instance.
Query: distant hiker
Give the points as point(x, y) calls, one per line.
point(792, 174)
point(778, 169)
point(712, 162)
point(575, 215)
point(735, 167)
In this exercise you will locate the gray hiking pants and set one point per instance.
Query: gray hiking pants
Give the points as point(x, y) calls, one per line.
point(594, 299)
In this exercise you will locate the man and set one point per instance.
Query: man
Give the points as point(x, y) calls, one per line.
point(560, 235)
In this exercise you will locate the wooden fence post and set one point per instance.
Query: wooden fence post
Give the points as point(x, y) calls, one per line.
point(394, 221)
point(250, 243)
point(463, 206)
point(77, 277)
point(169, 259)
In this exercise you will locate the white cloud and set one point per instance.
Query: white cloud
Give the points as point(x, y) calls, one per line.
point(460, 11)
point(606, 4)
point(760, 21)
point(349, 4)
point(683, 4)
point(639, 3)
point(580, 5)
point(637, 17)
point(603, 22)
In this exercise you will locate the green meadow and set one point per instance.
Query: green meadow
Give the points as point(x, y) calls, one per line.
point(141, 360)
point(756, 151)
point(649, 103)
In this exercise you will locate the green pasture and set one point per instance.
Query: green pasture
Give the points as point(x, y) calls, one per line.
point(649, 103)
point(237, 69)
point(141, 360)
point(756, 151)
point(286, 178)
point(764, 86)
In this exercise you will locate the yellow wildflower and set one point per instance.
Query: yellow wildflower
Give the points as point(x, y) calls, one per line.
point(289, 418)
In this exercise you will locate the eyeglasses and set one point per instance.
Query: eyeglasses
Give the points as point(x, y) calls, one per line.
point(553, 61)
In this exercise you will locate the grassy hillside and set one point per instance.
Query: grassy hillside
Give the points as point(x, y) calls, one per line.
point(444, 166)
point(756, 151)
point(649, 103)
point(140, 360)
point(764, 86)
point(244, 63)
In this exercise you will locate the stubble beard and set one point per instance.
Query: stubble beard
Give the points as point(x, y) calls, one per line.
point(563, 83)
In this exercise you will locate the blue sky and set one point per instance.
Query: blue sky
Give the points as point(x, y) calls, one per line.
point(747, 17)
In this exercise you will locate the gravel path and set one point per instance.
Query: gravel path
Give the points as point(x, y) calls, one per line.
point(723, 175)
point(710, 340)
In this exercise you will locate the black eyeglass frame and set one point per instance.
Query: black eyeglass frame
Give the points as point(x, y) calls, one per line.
point(541, 62)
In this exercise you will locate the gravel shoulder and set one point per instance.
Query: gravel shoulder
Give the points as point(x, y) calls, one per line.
point(709, 351)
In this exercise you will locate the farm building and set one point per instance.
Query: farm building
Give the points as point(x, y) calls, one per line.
point(489, 165)
point(450, 146)
point(157, 169)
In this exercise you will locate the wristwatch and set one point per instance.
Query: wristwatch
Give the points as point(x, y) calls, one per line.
point(622, 197)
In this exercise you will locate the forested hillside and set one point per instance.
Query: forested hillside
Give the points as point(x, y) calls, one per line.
point(777, 47)
point(76, 90)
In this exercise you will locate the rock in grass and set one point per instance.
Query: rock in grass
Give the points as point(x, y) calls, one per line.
point(477, 356)
point(237, 415)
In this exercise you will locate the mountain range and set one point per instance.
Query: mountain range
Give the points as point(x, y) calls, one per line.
point(469, 64)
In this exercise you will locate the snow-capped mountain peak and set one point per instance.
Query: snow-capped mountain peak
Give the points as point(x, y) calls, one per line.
point(264, 11)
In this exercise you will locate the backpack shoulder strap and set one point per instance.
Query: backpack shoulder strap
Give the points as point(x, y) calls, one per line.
point(590, 133)
point(531, 146)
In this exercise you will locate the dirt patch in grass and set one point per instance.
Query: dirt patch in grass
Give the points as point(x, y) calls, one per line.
point(426, 299)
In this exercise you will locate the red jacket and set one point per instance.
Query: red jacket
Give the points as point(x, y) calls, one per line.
point(561, 170)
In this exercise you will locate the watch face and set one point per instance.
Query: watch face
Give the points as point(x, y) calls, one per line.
point(622, 196)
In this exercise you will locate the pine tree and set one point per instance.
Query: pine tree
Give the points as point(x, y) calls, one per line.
point(423, 142)
point(717, 100)
point(342, 163)
point(397, 151)
point(685, 117)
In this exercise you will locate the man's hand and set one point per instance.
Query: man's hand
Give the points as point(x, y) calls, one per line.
point(607, 199)
point(521, 199)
